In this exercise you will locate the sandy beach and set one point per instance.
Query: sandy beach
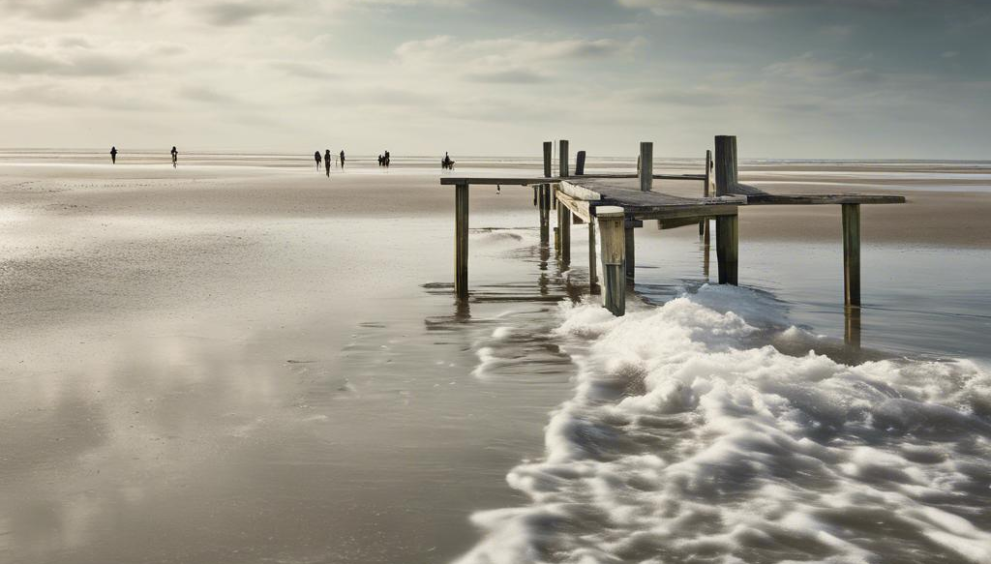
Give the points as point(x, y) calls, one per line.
point(228, 363)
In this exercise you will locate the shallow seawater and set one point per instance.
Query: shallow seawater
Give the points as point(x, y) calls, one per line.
point(248, 392)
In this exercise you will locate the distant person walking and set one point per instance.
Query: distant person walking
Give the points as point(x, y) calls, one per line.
point(326, 162)
point(385, 159)
point(342, 159)
point(447, 162)
point(175, 156)
point(316, 157)
point(113, 155)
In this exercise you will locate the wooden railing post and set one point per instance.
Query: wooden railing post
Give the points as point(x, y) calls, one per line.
point(611, 225)
point(562, 158)
point(461, 241)
point(646, 168)
point(704, 223)
point(544, 196)
point(726, 171)
point(851, 255)
point(593, 278)
point(580, 164)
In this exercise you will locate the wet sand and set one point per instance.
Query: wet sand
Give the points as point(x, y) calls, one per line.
point(231, 364)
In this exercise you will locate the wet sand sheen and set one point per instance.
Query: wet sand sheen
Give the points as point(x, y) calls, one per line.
point(241, 365)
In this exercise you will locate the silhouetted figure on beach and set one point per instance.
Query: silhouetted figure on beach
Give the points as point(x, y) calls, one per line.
point(113, 155)
point(316, 157)
point(447, 162)
point(342, 159)
point(381, 160)
point(175, 156)
point(385, 159)
point(326, 162)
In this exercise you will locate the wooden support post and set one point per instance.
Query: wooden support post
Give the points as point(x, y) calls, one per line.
point(461, 242)
point(851, 254)
point(646, 168)
point(630, 259)
point(726, 170)
point(548, 148)
point(544, 195)
point(580, 164)
point(562, 158)
point(728, 248)
point(564, 225)
point(611, 226)
point(593, 278)
point(704, 224)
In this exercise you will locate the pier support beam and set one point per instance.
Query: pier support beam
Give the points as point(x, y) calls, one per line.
point(851, 255)
point(611, 227)
point(593, 277)
point(704, 224)
point(726, 169)
point(461, 242)
point(562, 158)
point(646, 171)
point(564, 229)
point(544, 198)
point(630, 258)
point(728, 248)
point(580, 164)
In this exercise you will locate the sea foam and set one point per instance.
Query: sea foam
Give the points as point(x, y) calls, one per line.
point(684, 442)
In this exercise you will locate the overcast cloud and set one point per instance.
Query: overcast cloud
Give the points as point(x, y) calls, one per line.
point(819, 78)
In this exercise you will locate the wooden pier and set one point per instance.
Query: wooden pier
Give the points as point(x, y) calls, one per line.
point(614, 205)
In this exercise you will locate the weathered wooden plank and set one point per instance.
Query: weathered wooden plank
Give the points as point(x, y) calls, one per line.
point(461, 242)
point(610, 220)
point(674, 223)
point(646, 170)
point(822, 199)
point(728, 248)
point(662, 213)
point(851, 254)
point(580, 208)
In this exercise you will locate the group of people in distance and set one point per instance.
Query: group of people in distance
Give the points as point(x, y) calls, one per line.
point(174, 152)
point(327, 160)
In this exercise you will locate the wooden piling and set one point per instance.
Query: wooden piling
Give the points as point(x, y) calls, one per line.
point(593, 278)
point(726, 170)
point(851, 254)
point(630, 259)
point(704, 224)
point(646, 168)
point(728, 248)
point(562, 158)
point(461, 242)
point(611, 227)
point(544, 191)
point(580, 164)
point(548, 148)
point(564, 226)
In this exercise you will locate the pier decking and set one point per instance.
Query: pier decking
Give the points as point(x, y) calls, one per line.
point(616, 204)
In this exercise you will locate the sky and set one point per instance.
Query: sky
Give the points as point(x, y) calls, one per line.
point(791, 78)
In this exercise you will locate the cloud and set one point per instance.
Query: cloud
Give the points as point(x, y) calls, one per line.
point(79, 56)
point(752, 7)
point(507, 60)
point(68, 9)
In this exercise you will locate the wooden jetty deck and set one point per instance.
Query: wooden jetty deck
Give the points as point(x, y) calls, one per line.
point(615, 205)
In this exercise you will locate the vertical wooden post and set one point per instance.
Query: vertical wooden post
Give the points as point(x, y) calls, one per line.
point(727, 226)
point(630, 259)
point(611, 225)
point(461, 241)
point(580, 164)
point(646, 168)
point(544, 191)
point(851, 333)
point(564, 225)
point(704, 224)
point(562, 158)
point(728, 248)
point(851, 254)
point(548, 147)
point(726, 171)
point(593, 277)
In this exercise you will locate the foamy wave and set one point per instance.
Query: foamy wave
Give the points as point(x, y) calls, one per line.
point(685, 444)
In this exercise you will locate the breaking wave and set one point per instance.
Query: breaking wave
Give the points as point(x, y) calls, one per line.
point(687, 442)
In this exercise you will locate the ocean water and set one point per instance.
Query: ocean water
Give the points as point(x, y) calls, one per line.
point(251, 392)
